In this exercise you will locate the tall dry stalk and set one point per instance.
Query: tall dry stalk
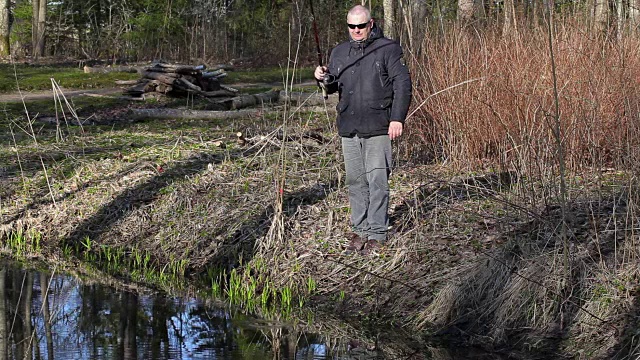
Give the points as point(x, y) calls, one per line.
point(32, 134)
point(557, 130)
point(276, 234)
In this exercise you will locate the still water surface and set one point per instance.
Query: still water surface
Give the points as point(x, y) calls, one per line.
point(76, 320)
point(62, 317)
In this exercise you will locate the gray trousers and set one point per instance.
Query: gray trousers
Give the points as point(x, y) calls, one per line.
point(368, 166)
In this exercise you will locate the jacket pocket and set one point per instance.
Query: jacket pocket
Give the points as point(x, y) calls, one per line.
point(380, 104)
point(342, 106)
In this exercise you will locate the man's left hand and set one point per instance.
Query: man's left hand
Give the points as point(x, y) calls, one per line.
point(395, 129)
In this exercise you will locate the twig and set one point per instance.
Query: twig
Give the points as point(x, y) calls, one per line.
point(440, 91)
point(46, 176)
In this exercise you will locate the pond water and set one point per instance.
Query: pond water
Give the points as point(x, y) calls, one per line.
point(61, 317)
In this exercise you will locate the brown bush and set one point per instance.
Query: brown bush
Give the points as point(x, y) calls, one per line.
point(506, 114)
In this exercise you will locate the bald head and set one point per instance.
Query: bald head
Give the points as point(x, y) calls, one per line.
point(360, 12)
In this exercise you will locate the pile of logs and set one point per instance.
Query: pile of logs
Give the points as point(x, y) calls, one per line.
point(181, 79)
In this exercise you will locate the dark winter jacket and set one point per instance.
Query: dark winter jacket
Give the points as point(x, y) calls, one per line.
point(373, 84)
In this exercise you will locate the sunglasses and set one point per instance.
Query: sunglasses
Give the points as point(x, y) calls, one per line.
point(359, 26)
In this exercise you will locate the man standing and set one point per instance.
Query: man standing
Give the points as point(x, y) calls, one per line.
point(374, 88)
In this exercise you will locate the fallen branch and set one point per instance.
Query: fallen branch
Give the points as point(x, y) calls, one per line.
point(126, 82)
point(104, 70)
point(240, 102)
point(139, 114)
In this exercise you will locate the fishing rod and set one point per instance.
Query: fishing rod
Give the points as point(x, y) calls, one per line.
point(318, 51)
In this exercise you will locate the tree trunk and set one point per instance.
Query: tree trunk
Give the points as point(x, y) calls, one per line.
point(601, 15)
point(389, 18)
point(35, 11)
point(414, 14)
point(27, 301)
point(5, 29)
point(620, 5)
point(466, 12)
point(509, 25)
point(634, 16)
point(42, 23)
point(44, 293)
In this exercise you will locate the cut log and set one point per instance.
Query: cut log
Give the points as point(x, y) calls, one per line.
point(139, 114)
point(139, 88)
point(210, 84)
point(184, 83)
point(180, 69)
point(181, 79)
point(244, 101)
point(219, 93)
point(240, 138)
point(166, 78)
point(126, 82)
point(216, 73)
point(193, 114)
point(151, 86)
point(223, 87)
point(130, 98)
point(164, 88)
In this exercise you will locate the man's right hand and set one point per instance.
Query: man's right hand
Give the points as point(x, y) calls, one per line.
point(320, 73)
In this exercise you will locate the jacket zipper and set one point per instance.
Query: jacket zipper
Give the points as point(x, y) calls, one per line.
point(379, 74)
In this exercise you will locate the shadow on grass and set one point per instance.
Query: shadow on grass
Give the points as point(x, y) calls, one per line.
point(33, 164)
point(411, 213)
point(521, 295)
point(628, 345)
point(241, 245)
point(139, 196)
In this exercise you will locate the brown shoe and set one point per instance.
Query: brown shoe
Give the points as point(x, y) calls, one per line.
point(371, 246)
point(356, 243)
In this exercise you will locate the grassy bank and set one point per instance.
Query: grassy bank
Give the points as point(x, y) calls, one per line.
point(503, 236)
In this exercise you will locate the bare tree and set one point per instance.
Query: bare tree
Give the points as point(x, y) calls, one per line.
point(634, 15)
point(27, 302)
point(389, 18)
point(413, 23)
point(5, 29)
point(466, 11)
point(39, 8)
point(601, 15)
point(509, 26)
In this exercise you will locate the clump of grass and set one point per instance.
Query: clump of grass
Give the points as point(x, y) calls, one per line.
point(23, 244)
point(273, 75)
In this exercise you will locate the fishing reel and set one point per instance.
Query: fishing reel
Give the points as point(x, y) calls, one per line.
point(329, 79)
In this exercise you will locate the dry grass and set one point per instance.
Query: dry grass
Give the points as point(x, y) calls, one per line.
point(504, 116)
point(503, 120)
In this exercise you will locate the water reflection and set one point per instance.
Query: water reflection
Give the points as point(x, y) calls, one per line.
point(60, 317)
